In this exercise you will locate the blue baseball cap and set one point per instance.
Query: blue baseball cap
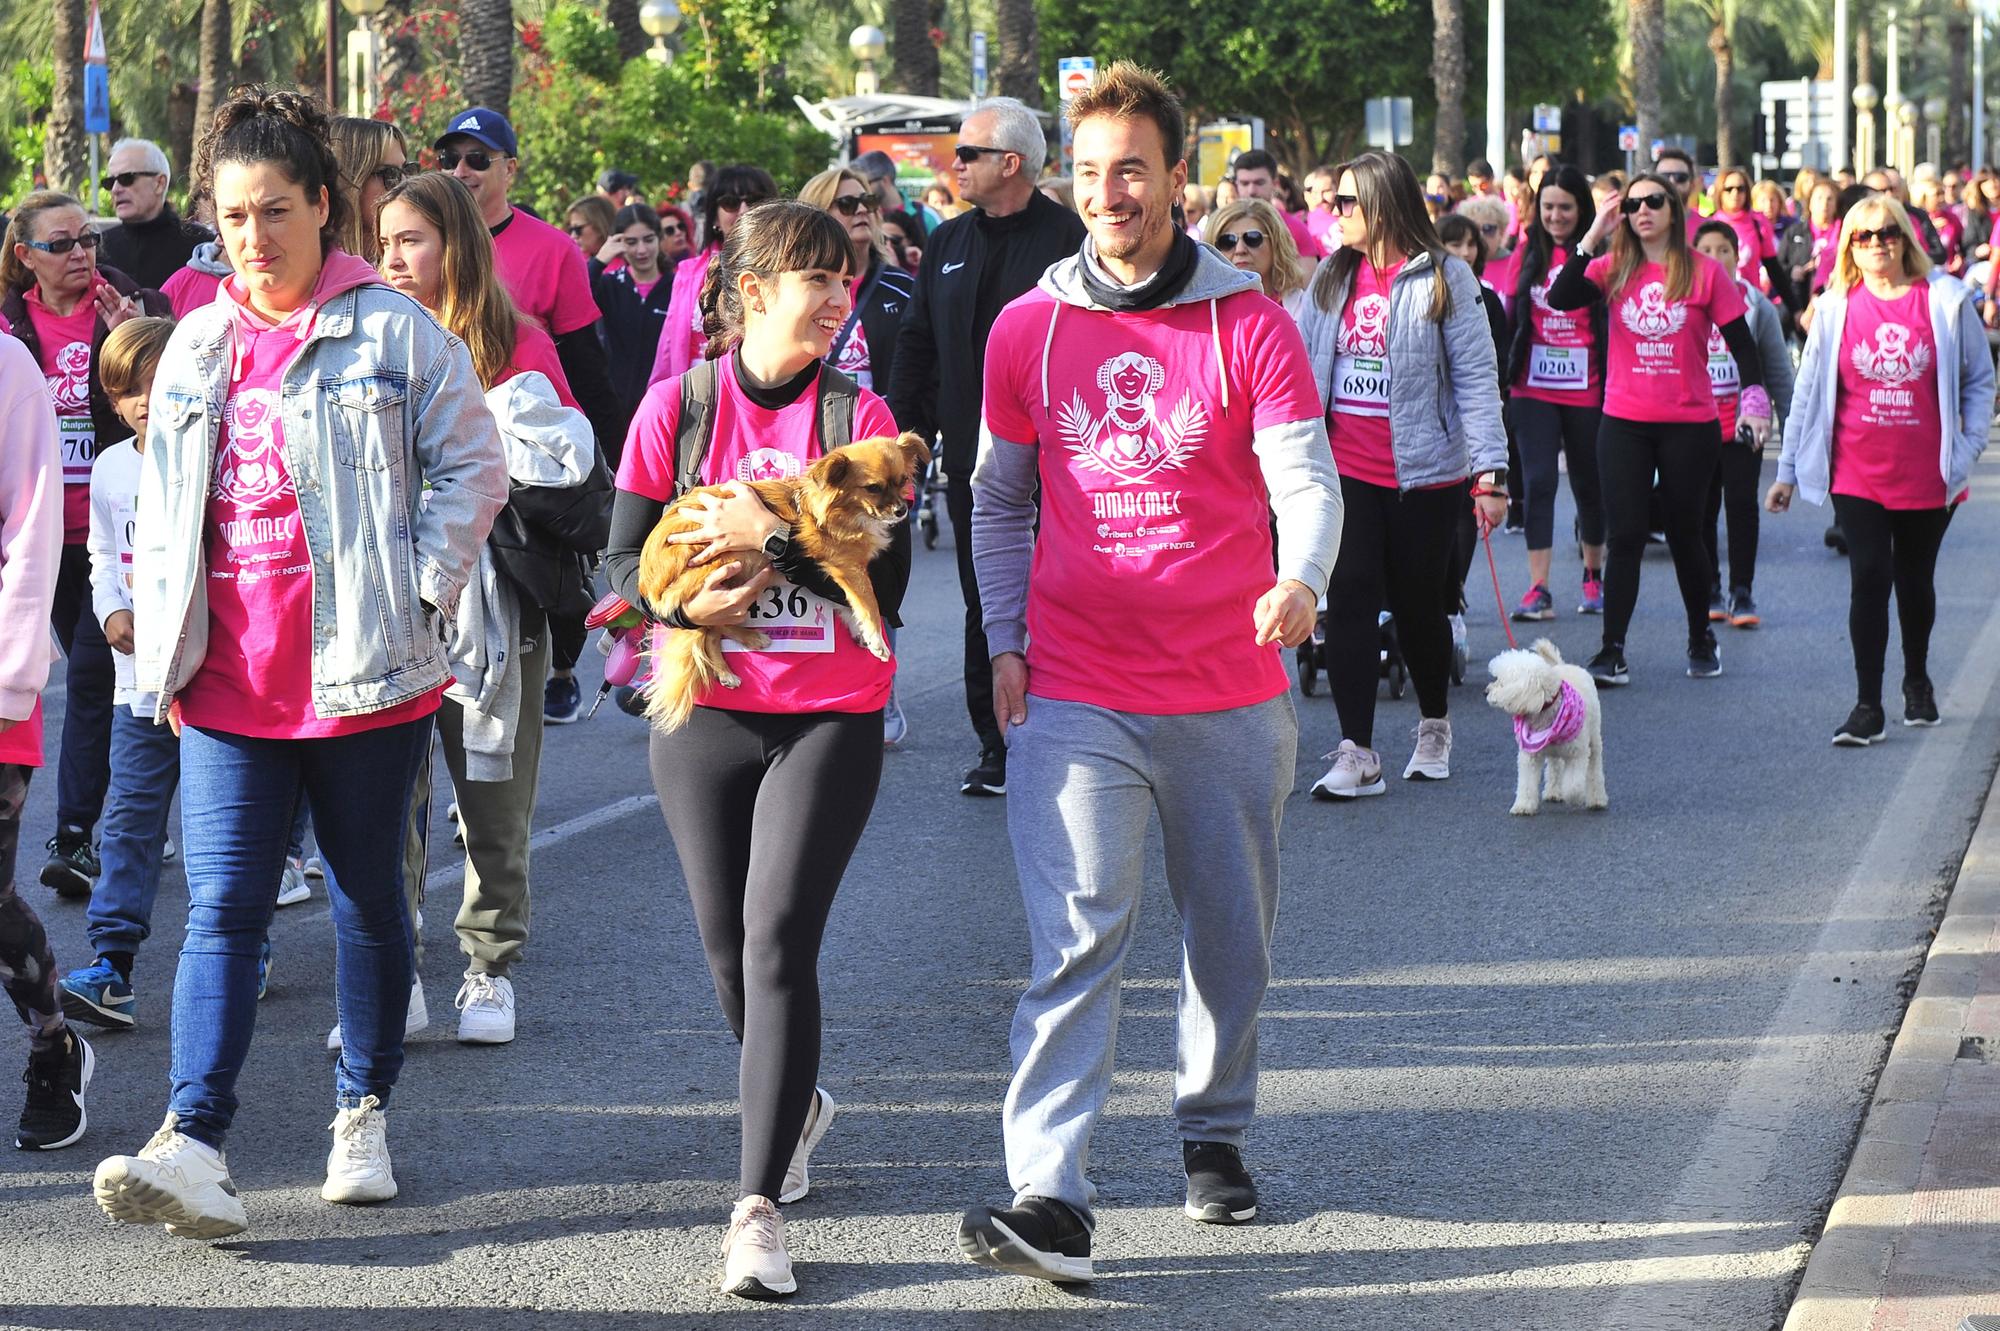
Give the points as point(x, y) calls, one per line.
point(484, 124)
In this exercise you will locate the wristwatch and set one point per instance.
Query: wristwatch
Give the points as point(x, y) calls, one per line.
point(778, 544)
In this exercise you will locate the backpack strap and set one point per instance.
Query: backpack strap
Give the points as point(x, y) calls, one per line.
point(838, 395)
point(697, 425)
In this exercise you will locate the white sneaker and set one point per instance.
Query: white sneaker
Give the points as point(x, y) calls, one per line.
point(169, 852)
point(457, 825)
point(174, 1181)
point(357, 1169)
point(485, 1010)
point(1457, 630)
point(1432, 759)
point(755, 1264)
point(292, 887)
point(417, 1018)
point(314, 867)
point(798, 1182)
point(1355, 772)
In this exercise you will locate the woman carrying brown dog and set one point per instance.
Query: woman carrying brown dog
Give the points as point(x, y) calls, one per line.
point(767, 788)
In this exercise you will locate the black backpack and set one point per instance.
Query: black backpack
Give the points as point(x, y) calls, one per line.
point(837, 393)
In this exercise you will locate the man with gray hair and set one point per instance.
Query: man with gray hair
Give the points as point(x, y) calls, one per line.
point(973, 266)
point(150, 243)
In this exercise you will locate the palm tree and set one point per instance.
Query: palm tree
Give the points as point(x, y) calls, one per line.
point(486, 52)
point(1721, 16)
point(1020, 72)
point(1448, 74)
point(914, 59)
point(63, 152)
point(218, 62)
point(1648, 24)
point(623, 16)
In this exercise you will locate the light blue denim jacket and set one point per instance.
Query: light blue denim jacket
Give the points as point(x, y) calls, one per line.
point(379, 401)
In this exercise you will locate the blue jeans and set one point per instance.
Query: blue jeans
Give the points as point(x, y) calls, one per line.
point(145, 769)
point(84, 763)
point(242, 795)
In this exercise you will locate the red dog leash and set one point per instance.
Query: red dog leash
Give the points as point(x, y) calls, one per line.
point(1486, 535)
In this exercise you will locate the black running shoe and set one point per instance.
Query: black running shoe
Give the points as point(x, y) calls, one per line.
point(1919, 703)
point(1038, 1237)
point(72, 866)
point(1836, 539)
point(1718, 609)
point(53, 1117)
point(1220, 1190)
point(1864, 725)
point(1704, 657)
point(1608, 668)
point(989, 777)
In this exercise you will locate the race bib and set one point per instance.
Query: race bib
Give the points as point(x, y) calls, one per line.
point(1559, 367)
point(1723, 375)
point(794, 619)
point(79, 448)
point(124, 519)
point(1361, 385)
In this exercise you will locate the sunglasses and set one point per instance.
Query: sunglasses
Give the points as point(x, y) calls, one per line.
point(672, 229)
point(1888, 235)
point(1735, 189)
point(90, 240)
point(969, 153)
point(1345, 204)
point(849, 204)
point(1442, 200)
point(1674, 177)
point(1227, 240)
point(579, 228)
point(125, 179)
point(392, 176)
point(729, 203)
point(449, 158)
point(1490, 228)
point(1638, 201)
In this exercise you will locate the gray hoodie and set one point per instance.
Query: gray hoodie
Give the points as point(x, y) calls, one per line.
point(1293, 457)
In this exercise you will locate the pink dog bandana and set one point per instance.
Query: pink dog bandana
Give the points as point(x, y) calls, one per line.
point(1565, 726)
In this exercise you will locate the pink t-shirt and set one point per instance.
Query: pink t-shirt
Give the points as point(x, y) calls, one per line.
point(535, 350)
point(853, 359)
point(1320, 222)
point(1951, 231)
point(63, 343)
point(544, 272)
point(813, 663)
point(21, 743)
point(1658, 358)
point(256, 679)
point(1886, 423)
point(189, 290)
point(1302, 236)
point(1504, 274)
point(1560, 366)
point(1755, 242)
point(1357, 420)
point(1155, 539)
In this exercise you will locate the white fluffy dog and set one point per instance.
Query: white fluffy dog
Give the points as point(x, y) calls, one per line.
point(1557, 723)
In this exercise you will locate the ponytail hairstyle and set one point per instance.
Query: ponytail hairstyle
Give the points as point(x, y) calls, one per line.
point(1539, 246)
point(24, 226)
point(1393, 203)
point(1628, 255)
point(783, 236)
point(471, 303)
point(287, 129)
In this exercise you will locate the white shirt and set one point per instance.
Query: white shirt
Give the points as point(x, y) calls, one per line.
point(114, 501)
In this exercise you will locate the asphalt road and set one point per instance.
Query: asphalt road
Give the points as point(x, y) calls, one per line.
point(1577, 1071)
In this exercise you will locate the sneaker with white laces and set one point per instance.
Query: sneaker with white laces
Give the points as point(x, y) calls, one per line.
point(1432, 759)
point(292, 887)
point(1355, 772)
point(485, 1009)
point(357, 1169)
point(798, 1181)
point(174, 1181)
point(755, 1264)
point(415, 1020)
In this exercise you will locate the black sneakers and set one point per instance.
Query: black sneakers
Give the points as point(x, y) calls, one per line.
point(72, 866)
point(1220, 1190)
point(1608, 667)
point(1704, 657)
point(1919, 703)
point(1864, 725)
point(1038, 1237)
point(989, 777)
point(53, 1117)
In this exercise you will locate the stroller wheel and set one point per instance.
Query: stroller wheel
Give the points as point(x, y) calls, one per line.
point(930, 525)
point(1458, 663)
point(1399, 679)
point(1308, 667)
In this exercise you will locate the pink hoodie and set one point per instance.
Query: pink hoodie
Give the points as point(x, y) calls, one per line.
point(681, 339)
point(31, 508)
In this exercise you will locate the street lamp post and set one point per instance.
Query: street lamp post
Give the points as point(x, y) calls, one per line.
point(1978, 84)
point(364, 56)
point(1496, 83)
point(869, 45)
point(1934, 109)
point(1904, 156)
point(660, 19)
point(1866, 99)
point(1843, 90)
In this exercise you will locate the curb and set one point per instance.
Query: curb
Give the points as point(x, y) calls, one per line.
point(1908, 1230)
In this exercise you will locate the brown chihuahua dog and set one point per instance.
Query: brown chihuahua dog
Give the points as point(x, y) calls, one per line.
point(841, 512)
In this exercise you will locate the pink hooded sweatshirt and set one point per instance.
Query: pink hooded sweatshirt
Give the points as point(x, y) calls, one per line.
point(31, 523)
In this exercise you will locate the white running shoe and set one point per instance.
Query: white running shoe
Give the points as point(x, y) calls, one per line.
point(457, 824)
point(357, 1169)
point(755, 1264)
point(1432, 759)
point(1355, 772)
point(292, 887)
point(174, 1181)
point(315, 868)
point(169, 852)
point(798, 1182)
point(415, 1020)
point(485, 1010)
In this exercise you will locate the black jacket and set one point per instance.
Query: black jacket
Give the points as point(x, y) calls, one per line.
point(886, 291)
point(973, 266)
point(632, 326)
point(151, 252)
point(110, 426)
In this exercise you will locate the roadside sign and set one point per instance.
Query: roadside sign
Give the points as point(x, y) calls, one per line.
point(978, 65)
point(1548, 118)
point(96, 81)
point(1074, 75)
point(1389, 122)
point(1628, 138)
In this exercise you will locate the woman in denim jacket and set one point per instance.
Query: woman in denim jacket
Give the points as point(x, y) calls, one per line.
point(320, 474)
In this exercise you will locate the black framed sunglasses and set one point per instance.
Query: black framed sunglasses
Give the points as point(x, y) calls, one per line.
point(1674, 177)
point(1252, 238)
point(969, 153)
point(1887, 235)
point(90, 240)
point(1638, 201)
point(126, 179)
point(1345, 204)
point(729, 203)
point(670, 227)
point(392, 176)
point(849, 204)
point(449, 158)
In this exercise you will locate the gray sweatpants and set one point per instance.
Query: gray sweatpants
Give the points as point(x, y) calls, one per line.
point(1081, 784)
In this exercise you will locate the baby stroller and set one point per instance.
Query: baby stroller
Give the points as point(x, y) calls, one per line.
point(930, 498)
point(1311, 655)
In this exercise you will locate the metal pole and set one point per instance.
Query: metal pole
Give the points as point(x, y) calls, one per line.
point(1496, 84)
point(332, 61)
point(1978, 84)
point(96, 195)
point(1893, 91)
point(1843, 89)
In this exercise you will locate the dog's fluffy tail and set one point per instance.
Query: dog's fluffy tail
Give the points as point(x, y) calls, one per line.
point(689, 665)
point(1547, 651)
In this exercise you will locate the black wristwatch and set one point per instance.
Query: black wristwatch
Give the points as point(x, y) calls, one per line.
point(778, 544)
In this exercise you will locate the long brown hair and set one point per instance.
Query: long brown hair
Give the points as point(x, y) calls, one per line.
point(783, 236)
point(1628, 254)
point(24, 227)
point(1393, 203)
point(359, 146)
point(471, 303)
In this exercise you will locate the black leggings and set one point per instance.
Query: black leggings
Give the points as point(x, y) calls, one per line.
point(1629, 455)
point(1890, 548)
point(1545, 432)
point(26, 964)
point(567, 637)
point(765, 811)
point(1736, 479)
point(1464, 541)
point(1395, 550)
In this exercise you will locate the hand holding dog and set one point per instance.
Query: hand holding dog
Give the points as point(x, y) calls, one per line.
point(1285, 614)
point(733, 518)
point(723, 602)
point(1010, 689)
